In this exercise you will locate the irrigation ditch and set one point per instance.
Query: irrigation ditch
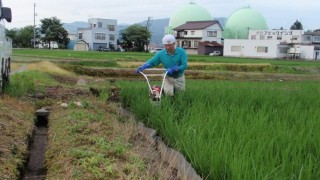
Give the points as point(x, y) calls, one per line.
point(35, 165)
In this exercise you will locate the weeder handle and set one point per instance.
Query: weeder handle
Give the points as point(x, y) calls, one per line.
point(163, 74)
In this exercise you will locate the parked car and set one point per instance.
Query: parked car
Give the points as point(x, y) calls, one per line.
point(102, 48)
point(215, 53)
point(120, 49)
point(155, 50)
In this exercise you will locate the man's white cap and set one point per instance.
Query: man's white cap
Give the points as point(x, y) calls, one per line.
point(168, 39)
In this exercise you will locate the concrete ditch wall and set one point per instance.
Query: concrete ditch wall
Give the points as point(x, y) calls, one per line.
point(173, 158)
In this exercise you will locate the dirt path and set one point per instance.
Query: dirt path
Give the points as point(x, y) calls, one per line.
point(20, 69)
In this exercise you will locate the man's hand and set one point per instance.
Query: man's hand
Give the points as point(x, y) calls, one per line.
point(173, 69)
point(143, 67)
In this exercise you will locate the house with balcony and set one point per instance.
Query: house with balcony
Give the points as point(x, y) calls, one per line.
point(100, 34)
point(199, 37)
point(312, 40)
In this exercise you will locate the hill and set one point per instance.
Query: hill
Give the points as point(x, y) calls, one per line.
point(73, 27)
point(157, 29)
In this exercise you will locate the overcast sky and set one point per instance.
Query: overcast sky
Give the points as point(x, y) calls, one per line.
point(278, 13)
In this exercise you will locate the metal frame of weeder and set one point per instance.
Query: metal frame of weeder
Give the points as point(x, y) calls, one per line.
point(163, 74)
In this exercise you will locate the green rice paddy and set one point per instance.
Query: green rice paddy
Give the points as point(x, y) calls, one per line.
point(238, 130)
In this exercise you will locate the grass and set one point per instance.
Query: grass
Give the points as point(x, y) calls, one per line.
point(239, 130)
point(36, 54)
point(138, 56)
point(47, 67)
point(25, 83)
point(16, 123)
point(93, 150)
point(134, 59)
point(89, 141)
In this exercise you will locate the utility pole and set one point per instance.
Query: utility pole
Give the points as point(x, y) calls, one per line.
point(148, 28)
point(34, 25)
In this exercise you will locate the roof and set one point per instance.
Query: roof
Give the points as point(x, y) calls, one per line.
point(72, 43)
point(196, 25)
point(207, 43)
point(312, 33)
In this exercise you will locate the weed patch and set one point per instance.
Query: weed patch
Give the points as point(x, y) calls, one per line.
point(17, 122)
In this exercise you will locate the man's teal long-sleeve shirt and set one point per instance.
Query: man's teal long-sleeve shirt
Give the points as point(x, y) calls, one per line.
point(179, 57)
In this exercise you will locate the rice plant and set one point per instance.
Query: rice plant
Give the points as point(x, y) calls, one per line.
point(238, 130)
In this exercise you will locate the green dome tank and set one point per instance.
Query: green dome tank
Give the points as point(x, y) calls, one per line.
point(189, 12)
point(241, 21)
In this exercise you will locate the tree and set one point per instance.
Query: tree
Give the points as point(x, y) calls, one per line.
point(25, 36)
point(12, 33)
point(53, 32)
point(22, 37)
point(296, 26)
point(135, 37)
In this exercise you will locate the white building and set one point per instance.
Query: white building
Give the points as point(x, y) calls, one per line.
point(275, 44)
point(101, 33)
point(310, 48)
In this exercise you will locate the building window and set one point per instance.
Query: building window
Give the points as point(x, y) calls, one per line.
point(186, 44)
point(316, 39)
point(189, 44)
point(80, 36)
point(111, 27)
point(294, 37)
point(100, 24)
point(262, 49)
point(183, 44)
point(111, 37)
point(196, 44)
point(307, 38)
point(180, 34)
point(235, 48)
point(192, 32)
point(283, 50)
point(212, 33)
point(185, 32)
point(100, 36)
point(253, 36)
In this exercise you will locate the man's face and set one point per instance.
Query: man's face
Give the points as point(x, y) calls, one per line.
point(169, 47)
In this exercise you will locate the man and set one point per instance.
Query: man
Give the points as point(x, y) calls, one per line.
point(174, 59)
